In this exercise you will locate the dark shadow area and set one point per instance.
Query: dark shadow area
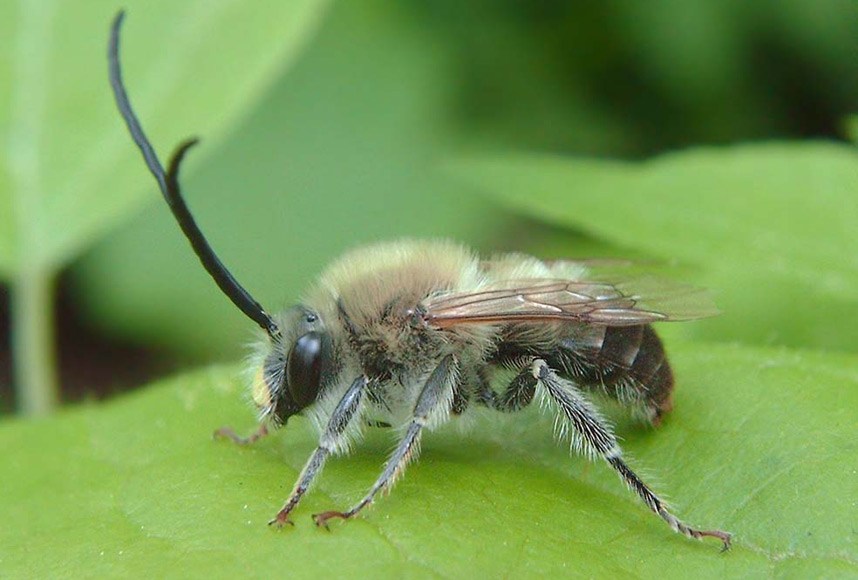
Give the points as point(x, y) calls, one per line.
point(6, 395)
point(92, 366)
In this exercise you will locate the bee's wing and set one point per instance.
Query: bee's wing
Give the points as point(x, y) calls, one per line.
point(617, 303)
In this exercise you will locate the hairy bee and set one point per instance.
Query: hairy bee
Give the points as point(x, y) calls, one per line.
point(410, 334)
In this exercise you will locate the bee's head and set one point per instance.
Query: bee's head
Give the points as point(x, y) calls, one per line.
point(298, 363)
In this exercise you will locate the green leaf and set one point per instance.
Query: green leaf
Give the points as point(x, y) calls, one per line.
point(771, 227)
point(761, 443)
point(70, 171)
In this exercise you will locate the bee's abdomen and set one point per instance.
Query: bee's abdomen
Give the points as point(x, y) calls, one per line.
point(627, 363)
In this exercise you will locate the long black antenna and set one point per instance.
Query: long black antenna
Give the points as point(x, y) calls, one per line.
point(169, 184)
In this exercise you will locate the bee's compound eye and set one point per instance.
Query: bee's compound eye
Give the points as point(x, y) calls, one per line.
point(304, 369)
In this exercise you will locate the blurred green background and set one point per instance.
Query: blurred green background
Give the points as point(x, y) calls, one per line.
point(330, 124)
point(710, 141)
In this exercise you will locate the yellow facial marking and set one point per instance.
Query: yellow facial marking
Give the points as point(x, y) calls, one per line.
point(261, 394)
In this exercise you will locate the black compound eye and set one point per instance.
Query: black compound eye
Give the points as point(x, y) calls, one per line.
point(304, 368)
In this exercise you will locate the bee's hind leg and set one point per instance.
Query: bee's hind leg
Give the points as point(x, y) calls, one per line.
point(434, 402)
point(595, 437)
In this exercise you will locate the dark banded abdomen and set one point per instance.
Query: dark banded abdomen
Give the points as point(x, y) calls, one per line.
point(626, 363)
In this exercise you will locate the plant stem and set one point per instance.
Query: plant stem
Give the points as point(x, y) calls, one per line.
point(32, 286)
point(33, 341)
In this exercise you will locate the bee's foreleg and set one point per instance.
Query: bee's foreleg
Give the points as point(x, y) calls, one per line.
point(432, 405)
point(229, 433)
point(593, 435)
point(345, 411)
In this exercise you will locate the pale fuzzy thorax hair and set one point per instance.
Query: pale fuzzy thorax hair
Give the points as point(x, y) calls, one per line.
point(372, 279)
point(369, 276)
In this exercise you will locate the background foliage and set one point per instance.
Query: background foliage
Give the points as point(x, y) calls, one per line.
point(701, 138)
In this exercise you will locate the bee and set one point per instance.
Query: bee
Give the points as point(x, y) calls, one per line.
point(412, 333)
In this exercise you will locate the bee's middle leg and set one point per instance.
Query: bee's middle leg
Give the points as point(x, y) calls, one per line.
point(435, 398)
point(518, 394)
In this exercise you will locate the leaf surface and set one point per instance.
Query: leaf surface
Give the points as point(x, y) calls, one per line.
point(754, 445)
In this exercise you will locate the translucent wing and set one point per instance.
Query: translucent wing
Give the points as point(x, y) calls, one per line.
point(623, 303)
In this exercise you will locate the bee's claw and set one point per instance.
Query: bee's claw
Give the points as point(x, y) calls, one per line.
point(725, 537)
point(228, 433)
point(280, 520)
point(322, 518)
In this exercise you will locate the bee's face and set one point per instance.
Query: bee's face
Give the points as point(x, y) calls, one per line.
point(296, 367)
